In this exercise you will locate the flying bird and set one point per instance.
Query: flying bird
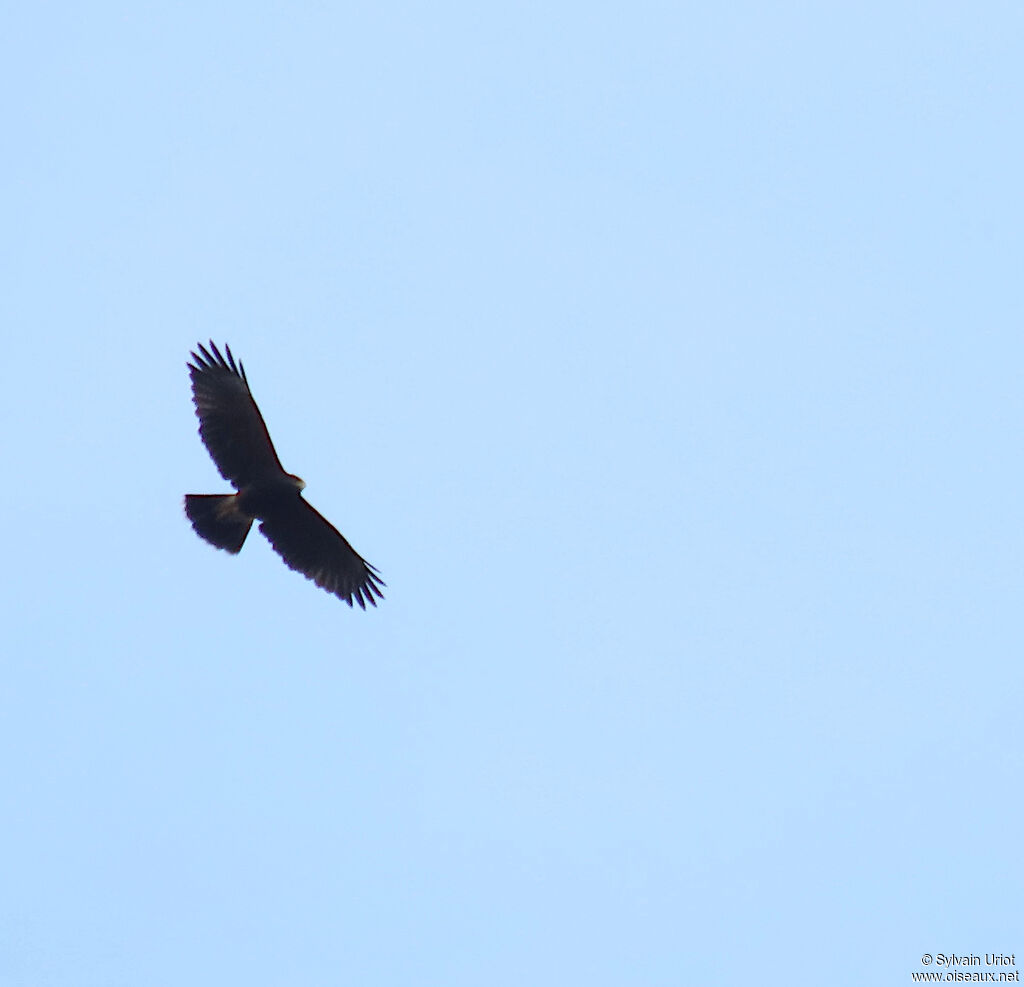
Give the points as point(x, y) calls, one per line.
point(233, 431)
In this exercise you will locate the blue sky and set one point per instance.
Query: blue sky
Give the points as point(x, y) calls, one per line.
point(665, 358)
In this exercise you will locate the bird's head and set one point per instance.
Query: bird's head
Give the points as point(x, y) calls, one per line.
point(297, 482)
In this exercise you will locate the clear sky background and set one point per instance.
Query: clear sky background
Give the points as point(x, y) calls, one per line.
point(666, 359)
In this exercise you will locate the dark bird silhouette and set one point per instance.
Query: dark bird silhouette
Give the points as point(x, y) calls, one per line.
point(233, 431)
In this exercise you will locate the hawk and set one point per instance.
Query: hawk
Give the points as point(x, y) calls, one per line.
point(233, 431)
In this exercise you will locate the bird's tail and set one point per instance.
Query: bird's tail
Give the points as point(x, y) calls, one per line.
point(216, 518)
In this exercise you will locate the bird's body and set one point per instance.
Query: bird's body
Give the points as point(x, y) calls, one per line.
point(234, 433)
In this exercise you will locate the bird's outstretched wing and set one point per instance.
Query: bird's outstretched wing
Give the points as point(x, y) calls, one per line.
point(230, 424)
point(310, 544)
